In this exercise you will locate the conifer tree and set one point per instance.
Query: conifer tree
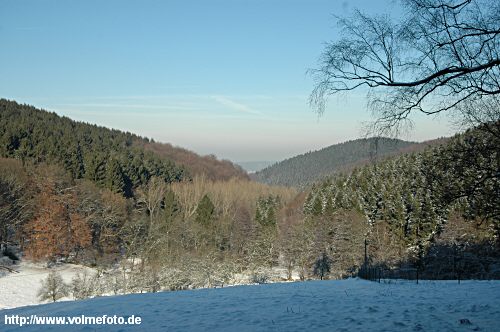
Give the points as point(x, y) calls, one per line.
point(322, 266)
point(205, 211)
point(317, 206)
point(171, 205)
point(114, 177)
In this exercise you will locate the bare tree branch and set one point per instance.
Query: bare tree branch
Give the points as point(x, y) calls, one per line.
point(442, 54)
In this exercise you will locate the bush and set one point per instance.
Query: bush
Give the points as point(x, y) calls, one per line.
point(260, 277)
point(84, 286)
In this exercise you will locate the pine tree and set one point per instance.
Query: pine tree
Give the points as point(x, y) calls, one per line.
point(171, 205)
point(329, 207)
point(73, 161)
point(115, 180)
point(266, 209)
point(317, 206)
point(205, 211)
point(322, 266)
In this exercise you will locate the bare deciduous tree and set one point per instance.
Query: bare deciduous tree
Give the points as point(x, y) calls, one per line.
point(53, 288)
point(441, 55)
point(151, 198)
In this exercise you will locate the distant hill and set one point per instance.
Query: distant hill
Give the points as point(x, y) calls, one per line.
point(210, 166)
point(304, 169)
point(116, 160)
point(254, 166)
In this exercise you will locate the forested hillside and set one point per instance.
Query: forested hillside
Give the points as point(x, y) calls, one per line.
point(112, 159)
point(50, 216)
point(208, 166)
point(436, 211)
point(430, 208)
point(75, 192)
point(304, 169)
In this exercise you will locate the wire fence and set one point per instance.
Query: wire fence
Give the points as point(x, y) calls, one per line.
point(375, 273)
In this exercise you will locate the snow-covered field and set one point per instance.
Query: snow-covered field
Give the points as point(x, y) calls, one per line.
point(345, 305)
point(20, 289)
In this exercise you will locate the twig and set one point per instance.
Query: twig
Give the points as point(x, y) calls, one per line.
point(8, 269)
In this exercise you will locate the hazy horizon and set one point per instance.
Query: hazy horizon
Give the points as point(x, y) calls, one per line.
point(226, 77)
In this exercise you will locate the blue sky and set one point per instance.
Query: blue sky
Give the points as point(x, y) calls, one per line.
point(226, 77)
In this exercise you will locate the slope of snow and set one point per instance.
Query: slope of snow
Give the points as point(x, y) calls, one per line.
point(20, 289)
point(345, 305)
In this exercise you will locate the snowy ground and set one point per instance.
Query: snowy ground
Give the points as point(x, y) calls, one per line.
point(346, 305)
point(20, 289)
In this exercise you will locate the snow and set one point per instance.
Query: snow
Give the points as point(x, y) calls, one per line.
point(20, 289)
point(343, 305)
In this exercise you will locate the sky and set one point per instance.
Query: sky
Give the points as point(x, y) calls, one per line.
point(223, 77)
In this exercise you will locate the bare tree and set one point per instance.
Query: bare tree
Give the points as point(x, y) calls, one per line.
point(151, 198)
point(483, 114)
point(85, 285)
point(53, 288)
point(15, 207)
point(441, 55)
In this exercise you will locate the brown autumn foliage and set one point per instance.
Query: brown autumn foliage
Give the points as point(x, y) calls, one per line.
point(209, 166)
point(57, 230)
